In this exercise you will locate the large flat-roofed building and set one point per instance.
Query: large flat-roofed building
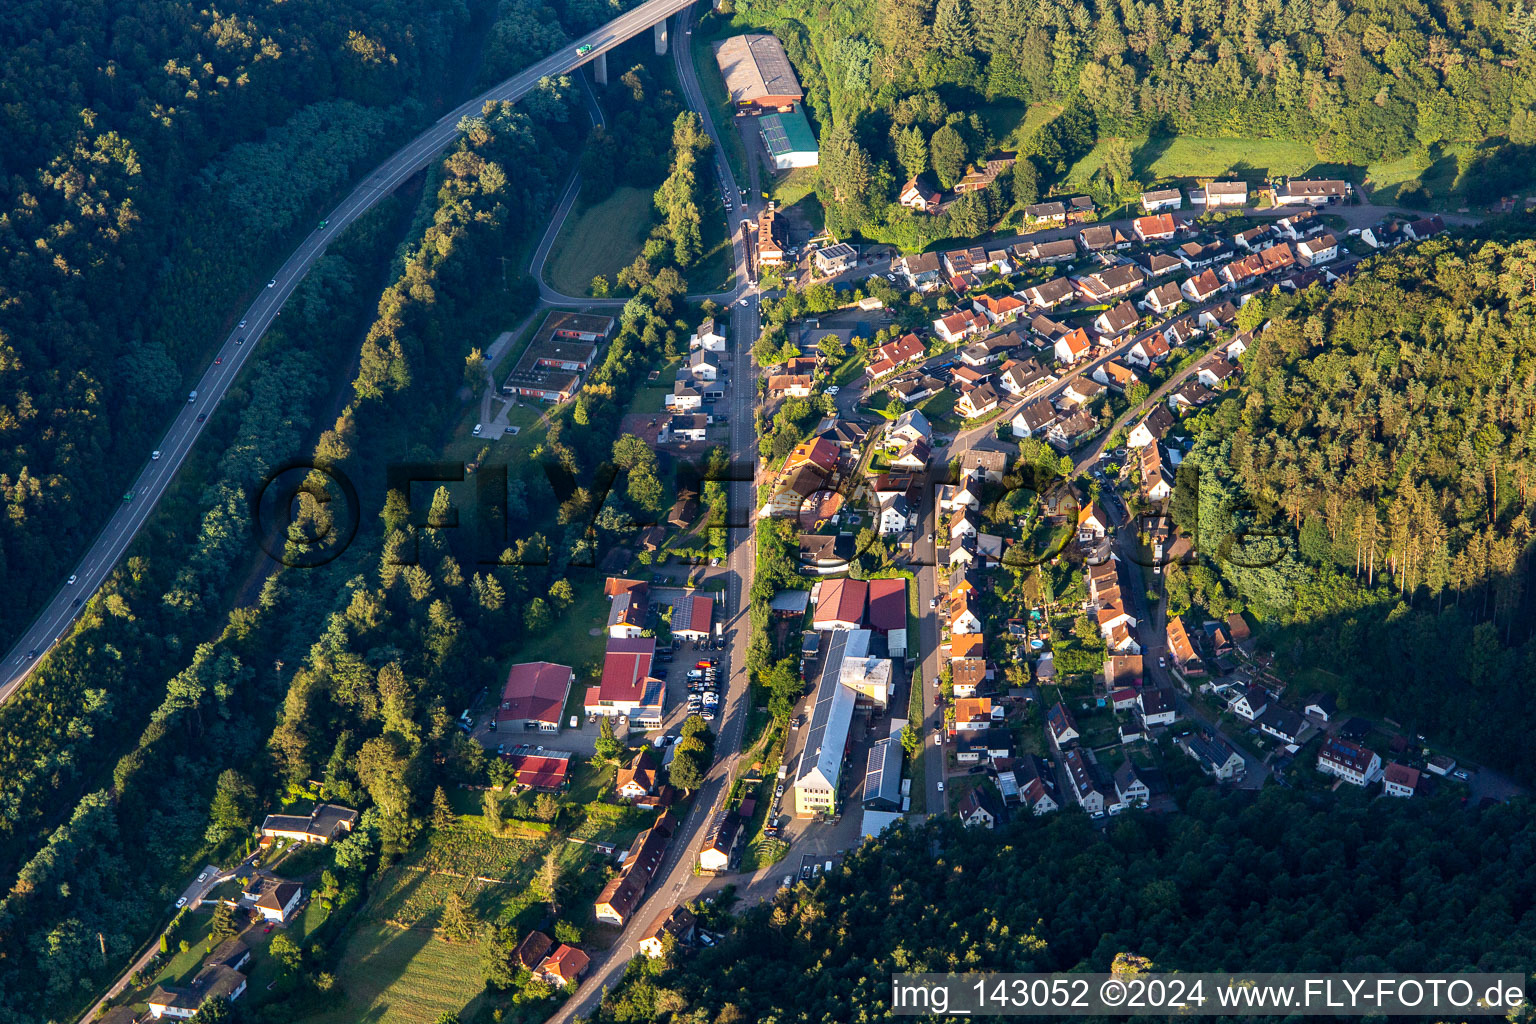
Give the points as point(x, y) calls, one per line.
point(819, 772)
point(534, 696)
point(564, 348)
point(757, 72)
point(789, 140)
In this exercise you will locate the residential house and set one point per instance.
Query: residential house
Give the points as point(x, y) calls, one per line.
point(1310, 192)
point(1199, 255)
point(895, 516)
point(1102, 237)
point(1283, 724)
point(1241, 271)
point(1130, 787)
point(772, 238)
point(1116, 320)
point(1250, 702)
point(1116, 376)
point(622, 894)
point(563, 967)
point(1105, 285)
point(1085, 788)
point(1297, 225)
point(922, 272)
point(1123, 676)
point(1033, 419)
point(1068, 433)
point(1081, 390)
point(533, 949)
point(1061, 726)
point(1355, 764)
point(679, 922)
point(1051, 214)
point(1165, 298)
point(913, 456)
point(989, 349)
point(1215, 371)
point(1071, 347)
point(1400, 780)
point(1156, 473)
point(703, 365)
point(1252, 237)
point(1050, 294)
point(1022, 376)
point(1092, 523)
point(1313, 251)
point(1203, 287)
point(1191, 395)
point(324, 823)
point(708, 337)
point(984, 174)
point(1158, 706)
point(963, 524)
point(683, 428)
point(1037, 785)
point(831, 260)
point(638, 778)
point(1183, 330)
point(1160, 227)
point(977, 401)
point(1426, 227)
point(999, 308)
point(626, 686)
point(1322, 705)
point(1154, 347)
point(1151, 428)
point(1162, 199)
point(968, 675)
point(1181, 650)
point(273, 899)
point(1223, 315)
point(1062, 250)
point(1157, 264)
point(1277, 257)
point(1226, 193)
point(1079, 209)
point(917, 194)
point(179, 1002)
point(1214, 755)
point(987, 458)
point(790, 385)
point(959, 324)
point(1047, 330)
point(973, 714)
point(628, 608)
point(910, 426)
point(974, 812)
point(719, 841)
point(684, 398)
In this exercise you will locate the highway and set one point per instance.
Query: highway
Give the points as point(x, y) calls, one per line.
point(129, 516)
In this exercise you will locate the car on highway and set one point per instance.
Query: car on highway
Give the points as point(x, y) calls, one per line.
point(203, 877)
point(202, 417)
point(240, 340)
point(583, 49)
point(322, 224)
point(75, 603)
point(217, 360)
point(154, 456)
point(941, 787)
point(127, 497)
point(71, 581)
point(272, 283)
point(938, 739)
point(242, 323)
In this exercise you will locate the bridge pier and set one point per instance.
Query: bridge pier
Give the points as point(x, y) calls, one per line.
point(661, 37)
point(600, 69)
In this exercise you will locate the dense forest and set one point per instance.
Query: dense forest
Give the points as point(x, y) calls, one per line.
point(1385, 440)
point(153, 160)
point(894, 84)
point(1237, 881)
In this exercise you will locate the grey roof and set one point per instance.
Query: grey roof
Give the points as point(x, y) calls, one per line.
point(830, 718)
point(1212, 750)
point(790, 601)
point(755, 66)
point(882, 773)
point(1282, 720)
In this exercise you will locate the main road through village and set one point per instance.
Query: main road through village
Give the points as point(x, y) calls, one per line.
point(56, 617)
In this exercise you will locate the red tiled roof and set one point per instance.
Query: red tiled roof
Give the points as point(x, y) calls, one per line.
point(888, 604)
point(625, 668)
point(841, 600)
point(538, 771)
point(535, 690)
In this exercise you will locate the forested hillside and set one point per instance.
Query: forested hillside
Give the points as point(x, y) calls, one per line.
point(1386, 436)
point(153, 158)
point(1277, 882)
point(894, 83)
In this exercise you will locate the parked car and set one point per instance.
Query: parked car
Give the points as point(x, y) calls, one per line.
point(941, 787)
point(181, 903)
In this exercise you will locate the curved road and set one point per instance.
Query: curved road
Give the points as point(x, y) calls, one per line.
point(56, 617)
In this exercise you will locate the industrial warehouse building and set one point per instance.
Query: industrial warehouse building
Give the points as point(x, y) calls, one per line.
point(789, 140)
point(757, 73)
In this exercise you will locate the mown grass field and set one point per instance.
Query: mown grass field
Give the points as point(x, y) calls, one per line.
point(601, 237)
point(397, 976)
point(1161, 159)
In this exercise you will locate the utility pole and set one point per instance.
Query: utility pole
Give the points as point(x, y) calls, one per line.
point(503, 272)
